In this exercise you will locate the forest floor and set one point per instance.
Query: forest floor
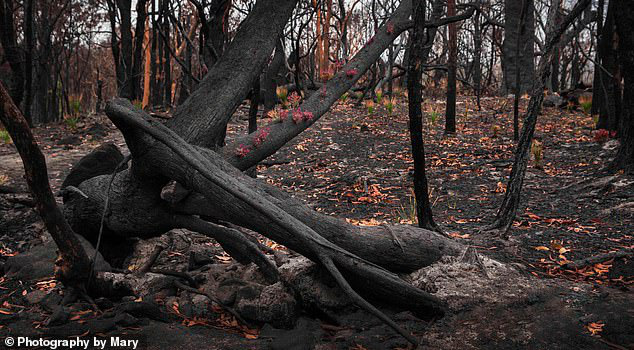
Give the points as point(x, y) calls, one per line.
point(358, 165)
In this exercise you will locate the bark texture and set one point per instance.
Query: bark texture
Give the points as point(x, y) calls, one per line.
point(516, 40)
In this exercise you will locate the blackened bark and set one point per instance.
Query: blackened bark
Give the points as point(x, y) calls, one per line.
point(74, 268)
point(414, 89)
point(512, 38)
point(517, 86)
point(202, 121)
point(125, 15)
point(12, 52)
point(596, 85)
point(271, 77)
point(137, 66)
point(624, 24)
point(28, 60)
point(477, 69)
point(506, 213)
point(610, 88)
point(450, 111)
point(167, 66)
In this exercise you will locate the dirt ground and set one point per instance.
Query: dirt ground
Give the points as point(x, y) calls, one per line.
point(358, 165)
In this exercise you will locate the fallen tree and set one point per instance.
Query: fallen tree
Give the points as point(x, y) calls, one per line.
point(212, 189)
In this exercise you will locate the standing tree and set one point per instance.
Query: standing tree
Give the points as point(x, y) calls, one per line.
point(414, 93)
point(450, 112)
point(624, 24)
point(506, 213)
point(517, 40)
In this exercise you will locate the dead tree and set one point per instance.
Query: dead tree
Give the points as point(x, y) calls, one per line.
point(452, 62)
point(624, 22)
point(414, 88)
point(506, 213)
point(188, 150)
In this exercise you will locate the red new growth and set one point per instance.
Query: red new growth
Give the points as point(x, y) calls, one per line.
point(283, 115)
point(261, 136)
point(603, 135)
point(242, 151)
point(298, 116)
point(308, 116)
point(351, 73)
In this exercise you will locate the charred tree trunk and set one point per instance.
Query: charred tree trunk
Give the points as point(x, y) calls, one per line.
point(137, 59)
point(12, 53)
point(450, 112)
point(414, 88)
point(74, 267)
point(517, 86)
point(516, 40)
point(624, 24)
point(271, 77)
point(506, 213)
point(28, 60)
point(596, 85)
point(610, 76)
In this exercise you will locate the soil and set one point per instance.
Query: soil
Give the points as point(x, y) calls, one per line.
point(358, 165)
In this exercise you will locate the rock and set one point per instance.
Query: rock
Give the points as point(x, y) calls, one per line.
point(134, 286)
point(97, 130)
point(35, 296)
point(307, 280)
point(59, 316)
point(51, 301)
point(553, 100)
point(38, 262)
point(69, 140)
point(274, 305)
point(194, 306)
point(101, 161)
point(200, 256)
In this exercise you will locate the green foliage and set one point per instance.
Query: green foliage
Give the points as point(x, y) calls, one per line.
point(71, 122)
point(138, 104)
point(370, 106)
point(344, 97)
point(379, 97)
point(587, 106)
point(407, 211)
point(5, 137)
point(74, 106)
point(389, 105)
point(433, 117)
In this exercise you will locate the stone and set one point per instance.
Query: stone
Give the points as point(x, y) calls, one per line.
point(35, 296)
point(39, 261)
point(274, 305)
point(59, 316)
